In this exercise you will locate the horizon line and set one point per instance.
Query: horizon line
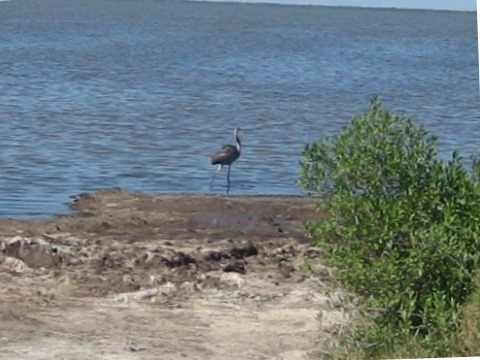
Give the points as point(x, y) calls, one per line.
point(279, 2)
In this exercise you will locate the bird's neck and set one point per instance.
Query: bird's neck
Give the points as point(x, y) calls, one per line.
point(239, 144)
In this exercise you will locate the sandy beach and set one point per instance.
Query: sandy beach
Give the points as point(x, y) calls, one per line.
point(149, 276)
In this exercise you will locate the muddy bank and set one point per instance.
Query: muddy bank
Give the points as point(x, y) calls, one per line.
point(139, 276)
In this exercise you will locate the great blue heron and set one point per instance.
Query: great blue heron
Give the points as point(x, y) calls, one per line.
point(226, 156)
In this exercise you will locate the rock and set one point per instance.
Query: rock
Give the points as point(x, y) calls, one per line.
point(167, 289)
point(235, 267)
point(35, 253)
point(215, 256)
point(179, 259)
point(13, 265)
point(232, 279)
point(243, 252)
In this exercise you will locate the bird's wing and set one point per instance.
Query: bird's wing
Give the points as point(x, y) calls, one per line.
point(223, 154)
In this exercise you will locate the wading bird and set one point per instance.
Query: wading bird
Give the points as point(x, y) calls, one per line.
point(226, 156)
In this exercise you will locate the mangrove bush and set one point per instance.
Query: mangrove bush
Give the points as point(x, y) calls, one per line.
point(400, 226)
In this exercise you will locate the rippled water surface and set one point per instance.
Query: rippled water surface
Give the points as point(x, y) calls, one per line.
point(139, 93)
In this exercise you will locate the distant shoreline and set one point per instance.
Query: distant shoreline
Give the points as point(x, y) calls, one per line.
point(273, 2)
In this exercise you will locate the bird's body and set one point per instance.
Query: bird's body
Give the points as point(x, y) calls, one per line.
point(226, 156)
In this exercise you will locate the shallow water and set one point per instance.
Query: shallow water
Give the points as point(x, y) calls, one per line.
point(138, 94)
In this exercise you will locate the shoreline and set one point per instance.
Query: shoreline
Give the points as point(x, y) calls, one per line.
point(141, 276)
point(70, 205)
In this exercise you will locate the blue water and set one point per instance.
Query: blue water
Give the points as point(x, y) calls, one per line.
point(139, 93)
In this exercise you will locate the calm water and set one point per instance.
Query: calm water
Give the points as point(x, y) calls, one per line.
point(139, 93)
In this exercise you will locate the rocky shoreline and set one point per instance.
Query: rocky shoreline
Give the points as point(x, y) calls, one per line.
point(147, 276)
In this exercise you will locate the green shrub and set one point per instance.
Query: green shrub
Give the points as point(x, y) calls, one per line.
point(402, 227)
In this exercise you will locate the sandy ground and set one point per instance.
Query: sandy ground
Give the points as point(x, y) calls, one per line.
point(137, 276)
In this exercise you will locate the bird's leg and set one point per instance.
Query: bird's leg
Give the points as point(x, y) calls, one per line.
point(219, 167)
point(228, 179)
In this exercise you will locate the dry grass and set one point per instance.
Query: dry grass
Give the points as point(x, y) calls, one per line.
point(468, 341)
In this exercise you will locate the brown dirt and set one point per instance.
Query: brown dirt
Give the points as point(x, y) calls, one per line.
point(137, 276)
